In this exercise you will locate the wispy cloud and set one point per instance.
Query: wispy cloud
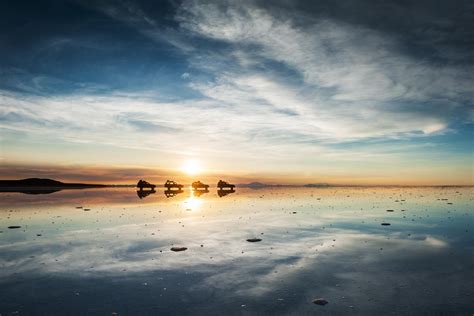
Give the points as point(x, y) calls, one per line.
point(258, 80)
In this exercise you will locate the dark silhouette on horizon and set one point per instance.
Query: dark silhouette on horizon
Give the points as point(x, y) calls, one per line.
point(144, 184)
point(42, 186)
point(170, 185)
point(225, 185)
point(198, 185)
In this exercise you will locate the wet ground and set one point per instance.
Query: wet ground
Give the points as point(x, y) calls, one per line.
point(364, 251)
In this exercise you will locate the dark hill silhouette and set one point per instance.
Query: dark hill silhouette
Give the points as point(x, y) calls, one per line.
point(41, 186)
point(316, 185)
point(43, 183)
point(259, 185)
point(254, 185)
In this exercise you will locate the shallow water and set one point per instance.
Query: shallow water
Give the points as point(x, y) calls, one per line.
point(316, 243)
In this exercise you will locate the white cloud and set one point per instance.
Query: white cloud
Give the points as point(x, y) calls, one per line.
point(354, 78)
point(276, 86)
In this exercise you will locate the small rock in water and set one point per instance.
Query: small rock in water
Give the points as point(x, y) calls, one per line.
point(320, 301)
point(178, 248)
point(13, 227)
point(254, 240)
point(87, 209)
point(385, 224)
point(389, 210)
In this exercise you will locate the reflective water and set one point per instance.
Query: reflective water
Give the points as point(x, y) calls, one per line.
point(99, 251)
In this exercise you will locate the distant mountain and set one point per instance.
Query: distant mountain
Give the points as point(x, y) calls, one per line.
point(316, 185)
point(44, 183)
point(253, 185)
point(259, 185)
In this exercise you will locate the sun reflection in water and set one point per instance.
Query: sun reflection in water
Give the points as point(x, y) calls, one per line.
point(193, 202)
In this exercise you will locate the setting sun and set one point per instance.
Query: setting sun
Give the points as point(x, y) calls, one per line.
point(191, 167)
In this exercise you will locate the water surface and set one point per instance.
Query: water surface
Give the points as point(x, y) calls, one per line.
point(99, 251)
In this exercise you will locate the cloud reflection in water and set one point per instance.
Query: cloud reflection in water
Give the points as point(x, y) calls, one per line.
point(333, 247)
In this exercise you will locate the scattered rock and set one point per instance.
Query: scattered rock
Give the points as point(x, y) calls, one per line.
point(320, 301)
point(385, 224)
point(390, 210)
point(178, 249)
point(14, 227)
point(254, 240)
point(87, 209)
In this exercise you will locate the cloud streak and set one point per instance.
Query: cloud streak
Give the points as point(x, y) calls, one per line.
point(257, 79)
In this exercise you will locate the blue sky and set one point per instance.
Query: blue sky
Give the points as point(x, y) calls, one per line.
point(295, 91)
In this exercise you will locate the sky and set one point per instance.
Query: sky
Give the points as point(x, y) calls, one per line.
point(341, 92)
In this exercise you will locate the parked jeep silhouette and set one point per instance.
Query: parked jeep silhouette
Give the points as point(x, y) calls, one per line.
point(144, 184)
point(225, 185)
point(172, 185)
point(198, 185)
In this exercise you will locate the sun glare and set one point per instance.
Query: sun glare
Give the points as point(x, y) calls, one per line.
point(192, 203)
point(191, 167)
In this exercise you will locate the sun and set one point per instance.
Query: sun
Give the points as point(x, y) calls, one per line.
point(191, 167)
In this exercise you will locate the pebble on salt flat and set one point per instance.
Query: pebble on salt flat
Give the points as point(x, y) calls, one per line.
point(320, 301)
point(178, 249)
point(254, 240)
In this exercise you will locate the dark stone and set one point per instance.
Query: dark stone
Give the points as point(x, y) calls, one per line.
point(320, 301)
point(254, 240)
point(178, 249)
point(14, 227)
point(385, 224)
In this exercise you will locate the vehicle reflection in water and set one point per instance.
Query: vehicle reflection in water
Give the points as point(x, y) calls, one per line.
point(198, 193)
point(144, 193)
point(172, 193)
point(222, 192)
